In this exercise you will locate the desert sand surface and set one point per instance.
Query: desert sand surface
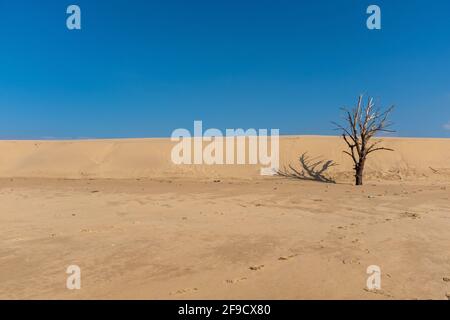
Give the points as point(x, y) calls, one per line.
point(140, 227)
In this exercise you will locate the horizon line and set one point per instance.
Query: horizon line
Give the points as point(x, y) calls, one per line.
point(65, 139)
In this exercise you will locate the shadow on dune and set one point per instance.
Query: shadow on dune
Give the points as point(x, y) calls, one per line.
point(311, 169)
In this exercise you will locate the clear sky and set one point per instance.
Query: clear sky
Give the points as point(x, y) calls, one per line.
point(145, 68)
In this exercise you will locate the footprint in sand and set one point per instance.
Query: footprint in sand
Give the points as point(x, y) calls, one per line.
point(111, 228)
point(351, 261)
point(380, 292)
point(411, 215)
point(183, 291)
point(284, 258)
point(256, 268)
point(234, 281)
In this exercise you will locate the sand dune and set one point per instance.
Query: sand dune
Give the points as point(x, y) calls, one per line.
point(164, 231)
point(150, 158)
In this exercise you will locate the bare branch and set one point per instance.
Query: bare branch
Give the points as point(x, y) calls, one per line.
point(381, 148)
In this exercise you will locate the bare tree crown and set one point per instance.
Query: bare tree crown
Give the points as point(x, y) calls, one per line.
point(362, 123)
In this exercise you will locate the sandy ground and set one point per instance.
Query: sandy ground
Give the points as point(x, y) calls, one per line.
point(265, 238)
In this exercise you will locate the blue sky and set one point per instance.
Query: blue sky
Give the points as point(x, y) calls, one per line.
point(145, 68)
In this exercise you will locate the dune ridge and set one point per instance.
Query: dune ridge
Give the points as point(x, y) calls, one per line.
point(151, 158)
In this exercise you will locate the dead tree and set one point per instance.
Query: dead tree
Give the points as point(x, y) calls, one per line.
point(362, 123)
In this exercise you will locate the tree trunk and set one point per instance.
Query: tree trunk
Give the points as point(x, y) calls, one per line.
point(359, 170)
point(359, 178)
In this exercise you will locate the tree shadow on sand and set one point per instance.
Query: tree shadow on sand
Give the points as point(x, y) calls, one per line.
point(311, 169)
